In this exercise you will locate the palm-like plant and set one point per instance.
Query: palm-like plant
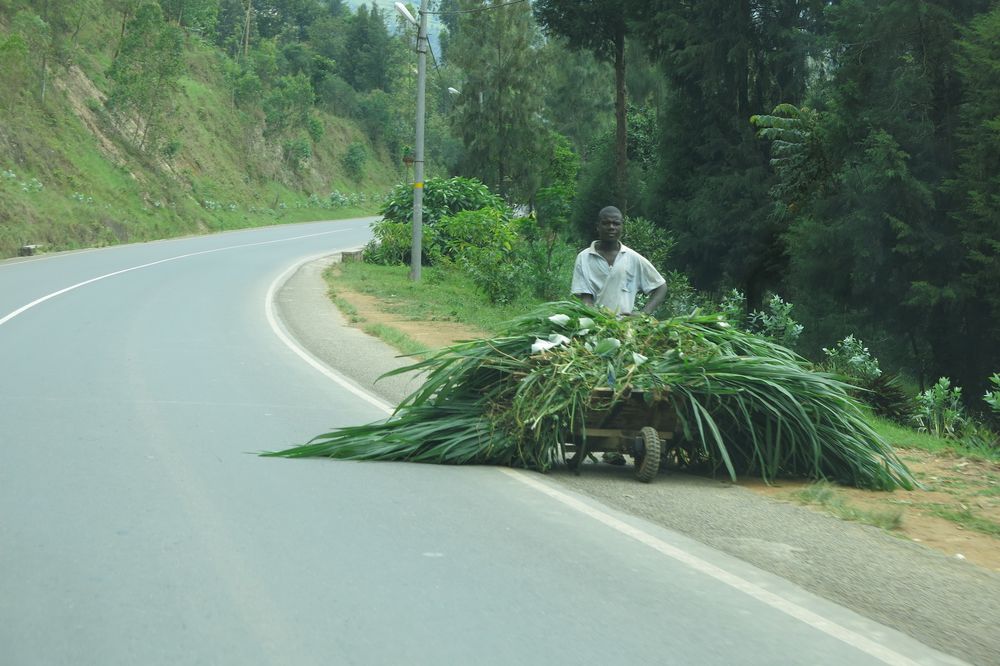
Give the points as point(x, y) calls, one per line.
point(749, 405)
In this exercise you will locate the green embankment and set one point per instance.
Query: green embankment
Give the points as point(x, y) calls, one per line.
point(69, 178)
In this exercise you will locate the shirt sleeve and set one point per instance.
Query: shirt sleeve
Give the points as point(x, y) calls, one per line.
point(580, 284)
point(649, 277)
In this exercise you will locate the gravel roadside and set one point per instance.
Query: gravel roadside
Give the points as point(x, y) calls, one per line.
point(946, 603)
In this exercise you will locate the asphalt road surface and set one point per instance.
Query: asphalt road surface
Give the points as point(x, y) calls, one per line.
point(136, 526)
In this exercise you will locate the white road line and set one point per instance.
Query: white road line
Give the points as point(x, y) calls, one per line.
point(39, 301)
point(773, 600)
point(301, 352)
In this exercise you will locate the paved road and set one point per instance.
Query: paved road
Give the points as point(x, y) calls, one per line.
point(136, 529)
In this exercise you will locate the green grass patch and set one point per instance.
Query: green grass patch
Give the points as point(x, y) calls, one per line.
point(443, 294)
point(825, 495)
point(907, 438)
point(966, 519)
point(396, 338)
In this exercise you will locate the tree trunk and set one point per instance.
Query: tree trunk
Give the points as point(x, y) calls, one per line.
point(246, 29)
point(621, 135)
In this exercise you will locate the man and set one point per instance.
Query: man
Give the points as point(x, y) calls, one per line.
point(609, 274)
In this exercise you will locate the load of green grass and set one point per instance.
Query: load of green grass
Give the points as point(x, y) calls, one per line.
point(748, 405)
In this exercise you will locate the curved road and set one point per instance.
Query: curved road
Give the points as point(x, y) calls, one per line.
point(135, 528)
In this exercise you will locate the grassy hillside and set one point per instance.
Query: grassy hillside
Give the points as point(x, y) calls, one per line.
point(70, 178)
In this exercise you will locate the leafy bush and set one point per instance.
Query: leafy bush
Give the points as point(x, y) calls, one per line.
point(682, 299)
point(486, 244)
point(885, 394)
point(390, 243)
point(288, 104)
point(354, 160)
point(776, 322)
point(939, 410)
point(851, 358)
point(315, 128)
point(337, 96)
point(297, 151)
point(483, 228)
point(501, 276)
point(548, 262)
point(442, 198)
point(734, 306)
point(992, 398)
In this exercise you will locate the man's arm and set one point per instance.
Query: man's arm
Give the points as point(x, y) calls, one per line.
point(580, 282)
point(655, 299)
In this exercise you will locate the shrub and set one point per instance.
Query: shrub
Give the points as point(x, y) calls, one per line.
point(885, 394)
point(992, 398)
point(734, 307)
point(442, 198)
point(501, 276)
point(851, 358)
point(483, 228)
point(354, 160)
point(390, 243)
point(315, 127)
point(939, 410)
point(548, 261)
point(486, 244)
point(776, 322)
point(297, 151)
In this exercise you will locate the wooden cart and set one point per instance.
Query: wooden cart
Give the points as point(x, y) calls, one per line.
point(636, 426)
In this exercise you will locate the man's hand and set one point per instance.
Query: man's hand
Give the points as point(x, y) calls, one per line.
point(656, 298)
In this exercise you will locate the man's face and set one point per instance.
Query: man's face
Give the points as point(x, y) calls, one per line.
point(609, 227)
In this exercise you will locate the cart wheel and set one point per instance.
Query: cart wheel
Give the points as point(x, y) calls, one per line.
point(648, 465)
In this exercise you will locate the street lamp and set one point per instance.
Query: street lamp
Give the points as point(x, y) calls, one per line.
point(416, 246)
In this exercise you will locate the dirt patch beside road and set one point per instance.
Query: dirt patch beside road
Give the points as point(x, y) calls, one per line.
point(960, 504)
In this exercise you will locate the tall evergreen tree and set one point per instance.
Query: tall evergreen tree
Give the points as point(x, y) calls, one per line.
point(978, 190)
point(498, 115)
point(875, 252)
point(724, 61)
point(598, 26)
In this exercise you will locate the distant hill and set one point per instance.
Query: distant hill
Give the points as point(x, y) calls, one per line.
point(71, 176)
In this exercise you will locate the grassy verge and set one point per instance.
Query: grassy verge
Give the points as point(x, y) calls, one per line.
point(906, 438)
point(441, 295)
point(824, 495)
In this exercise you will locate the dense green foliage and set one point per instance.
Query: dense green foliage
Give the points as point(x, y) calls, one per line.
point(842, 154)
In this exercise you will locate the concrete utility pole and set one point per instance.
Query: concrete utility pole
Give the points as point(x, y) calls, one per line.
point(416, 245)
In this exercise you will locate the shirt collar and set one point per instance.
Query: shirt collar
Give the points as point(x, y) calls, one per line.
point(593, 248)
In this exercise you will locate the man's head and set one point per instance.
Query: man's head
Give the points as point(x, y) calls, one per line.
point(610, 224)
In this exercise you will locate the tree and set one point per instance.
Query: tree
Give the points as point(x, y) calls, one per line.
point(724, 61)
point(198, 14)
point(872, 240)
point(50, 35)
point(37, 38)
point(15, 72)
point(498, 115)
point(145, 75)
point(977, 187)
point(579, 97)
point(598, 26)
point(365, 56)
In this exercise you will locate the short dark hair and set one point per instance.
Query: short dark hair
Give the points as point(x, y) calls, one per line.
point(610, 210)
